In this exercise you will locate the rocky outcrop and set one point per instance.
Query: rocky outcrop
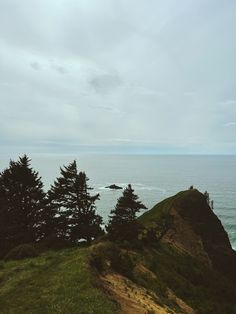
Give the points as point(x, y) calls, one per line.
point(182, 236)
point(184, 262)
point(194, 228)
point(114, 187)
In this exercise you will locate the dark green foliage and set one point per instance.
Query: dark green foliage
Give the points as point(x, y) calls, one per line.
point(22, 202)
point(102, 254)
point(62, 198)
point(85, 222)
point(76, 211)
point(207, 196)
point(123, 225)
point(5, 220)
point(210, 202)
point(155, 223)
point(107, 255)
point(22, 251)
point(201, 287)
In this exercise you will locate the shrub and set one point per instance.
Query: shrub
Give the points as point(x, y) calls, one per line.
point(107, 255)
point(2, 265)
point(22, 251)
point(101, 255)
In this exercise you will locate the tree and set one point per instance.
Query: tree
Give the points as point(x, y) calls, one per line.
point(207, 196)
point(85, 222)
point(61, 198)
point(4, 225)
point(122, 221)
point(76, 210)
point(22, 202)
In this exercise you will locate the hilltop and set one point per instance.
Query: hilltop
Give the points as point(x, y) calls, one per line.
point(184, 265)
point(190, 225)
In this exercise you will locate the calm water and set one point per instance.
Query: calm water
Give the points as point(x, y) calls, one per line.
point(153, 178)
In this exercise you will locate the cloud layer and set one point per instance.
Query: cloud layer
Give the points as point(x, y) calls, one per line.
point(122, 76)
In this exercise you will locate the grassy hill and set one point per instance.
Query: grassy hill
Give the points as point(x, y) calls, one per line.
point(55, 282)
point(161, 210)
point(162, 276)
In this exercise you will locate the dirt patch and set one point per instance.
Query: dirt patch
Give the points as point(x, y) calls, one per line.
point(131, 297)
point(184, 306)
point(141, 269)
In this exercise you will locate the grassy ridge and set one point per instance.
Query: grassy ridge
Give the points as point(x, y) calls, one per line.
point(157, 213)
point(161, 210)
point(56, 282)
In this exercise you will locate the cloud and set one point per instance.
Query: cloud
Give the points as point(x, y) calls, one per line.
point(157, 73)
point(58, 68)
point(35, 65)
point(105, 83)
point(229, 102)
point(229, 124)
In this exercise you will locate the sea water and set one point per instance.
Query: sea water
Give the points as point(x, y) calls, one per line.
point(153, 177)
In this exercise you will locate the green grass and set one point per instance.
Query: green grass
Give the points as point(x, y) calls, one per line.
point(158, 212)
point(56, 282)
point(161, 210)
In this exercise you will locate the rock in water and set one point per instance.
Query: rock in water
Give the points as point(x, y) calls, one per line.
point(114, 187)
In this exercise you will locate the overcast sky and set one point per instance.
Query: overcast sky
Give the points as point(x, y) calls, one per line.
point(118, 76)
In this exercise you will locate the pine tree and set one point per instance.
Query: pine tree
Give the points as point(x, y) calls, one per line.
point(122, 223)
point(207, 196)
point(85, 222)
point(77, 218)
point(4, 225)
point(23, 199)
point(61, 197)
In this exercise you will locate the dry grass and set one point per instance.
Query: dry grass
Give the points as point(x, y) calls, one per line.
point(131, 297)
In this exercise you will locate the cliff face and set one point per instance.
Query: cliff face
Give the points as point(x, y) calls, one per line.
point(184, 262)
point(194, 228)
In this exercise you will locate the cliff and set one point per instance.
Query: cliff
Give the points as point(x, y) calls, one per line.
point(185, 264)
point(192, 227)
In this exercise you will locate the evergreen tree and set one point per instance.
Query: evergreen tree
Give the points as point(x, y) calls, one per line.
point(48, 223)
point(61, 198)
point(122, 223)
point(4, 225)
point(207, 196)
point(77, 218)
point(85, 222)
point(22, 200)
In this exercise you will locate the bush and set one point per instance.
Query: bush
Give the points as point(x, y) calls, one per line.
point(101, 255)
point(107, 255)
point(22, 251)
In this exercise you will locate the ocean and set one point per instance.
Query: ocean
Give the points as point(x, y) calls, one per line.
point(153, 177)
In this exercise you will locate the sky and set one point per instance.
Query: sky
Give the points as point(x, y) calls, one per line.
point(117, 76)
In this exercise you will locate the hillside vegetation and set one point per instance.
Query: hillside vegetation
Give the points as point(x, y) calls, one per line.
point(183, 263)
point(55, 282)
